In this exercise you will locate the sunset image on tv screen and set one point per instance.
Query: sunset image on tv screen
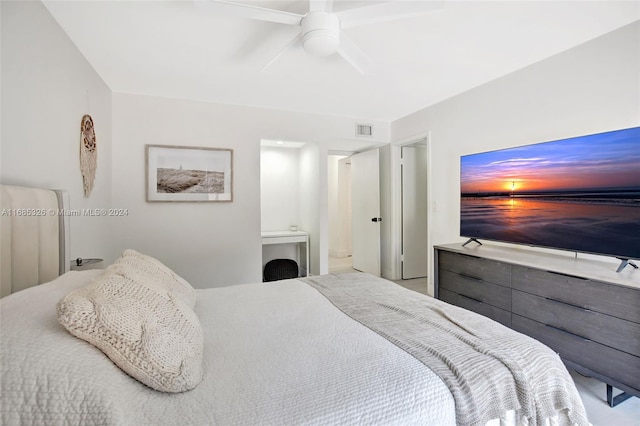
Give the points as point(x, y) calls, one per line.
point(579, 194)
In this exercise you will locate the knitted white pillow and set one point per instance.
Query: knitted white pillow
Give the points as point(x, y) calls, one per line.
point(151, 335)
point(150, 271)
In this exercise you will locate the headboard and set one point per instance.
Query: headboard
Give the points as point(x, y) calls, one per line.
point(34, 239)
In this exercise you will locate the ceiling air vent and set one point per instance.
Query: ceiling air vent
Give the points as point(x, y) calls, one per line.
point(364, 130)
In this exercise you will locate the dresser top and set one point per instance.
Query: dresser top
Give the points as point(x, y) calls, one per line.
point(582, 265)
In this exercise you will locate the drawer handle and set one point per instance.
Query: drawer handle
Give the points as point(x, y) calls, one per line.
point(562, 330)
point(569, 304)
point(471, 298)
point(568, 275)
point(468, 255)
point(471, 277)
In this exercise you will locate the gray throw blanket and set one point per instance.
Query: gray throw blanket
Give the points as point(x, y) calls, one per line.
point(488, 368)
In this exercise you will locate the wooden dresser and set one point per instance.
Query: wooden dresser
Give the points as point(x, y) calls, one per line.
point(579, 307)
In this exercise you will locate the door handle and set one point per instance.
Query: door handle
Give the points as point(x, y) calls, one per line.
point(376, 219)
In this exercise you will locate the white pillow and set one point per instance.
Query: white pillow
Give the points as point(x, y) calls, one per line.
point(153, 336)
point(151, 272)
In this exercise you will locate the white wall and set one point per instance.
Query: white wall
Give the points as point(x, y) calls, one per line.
point(279, 170)
point(215, 244)
point(332, 202)
point(47, 86)
point(345, 243)
point(588, 89)
point(313, 206)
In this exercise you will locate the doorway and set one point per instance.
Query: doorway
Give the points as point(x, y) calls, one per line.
point(290, 189)
point(339, 208)
point(354, 212)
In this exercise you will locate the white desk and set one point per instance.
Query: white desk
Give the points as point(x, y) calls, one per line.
point(300, 238)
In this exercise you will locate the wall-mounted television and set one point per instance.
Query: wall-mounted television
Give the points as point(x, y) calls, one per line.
point(580, 194)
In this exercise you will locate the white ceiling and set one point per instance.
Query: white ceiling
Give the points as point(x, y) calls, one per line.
point(174, 49)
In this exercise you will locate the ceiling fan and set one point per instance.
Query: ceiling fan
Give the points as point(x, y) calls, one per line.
point(321, 29)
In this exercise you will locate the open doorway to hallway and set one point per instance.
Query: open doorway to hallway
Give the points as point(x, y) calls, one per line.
point(339, 207)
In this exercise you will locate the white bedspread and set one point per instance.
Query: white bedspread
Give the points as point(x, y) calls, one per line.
point(276, 353)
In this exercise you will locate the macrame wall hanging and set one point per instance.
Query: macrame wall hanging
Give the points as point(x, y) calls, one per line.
point(88, 154)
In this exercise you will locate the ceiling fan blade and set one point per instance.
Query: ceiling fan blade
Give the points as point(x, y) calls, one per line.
point(386, 12)
point(352, 54)
point(285, 49)
point(249, 12)
point(321, 5)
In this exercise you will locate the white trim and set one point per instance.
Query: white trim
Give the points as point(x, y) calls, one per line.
point(430, 259)
point(64, 231)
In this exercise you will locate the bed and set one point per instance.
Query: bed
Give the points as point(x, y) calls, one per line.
point(335, 349)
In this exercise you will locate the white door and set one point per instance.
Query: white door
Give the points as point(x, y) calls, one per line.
point(414, 212)
point(365, 211)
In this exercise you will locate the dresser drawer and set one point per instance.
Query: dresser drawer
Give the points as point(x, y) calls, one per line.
point(475, 267)
point(481, 291)
point(619, 301)
point(496, 314)
point(611, 331)
point(618, 365)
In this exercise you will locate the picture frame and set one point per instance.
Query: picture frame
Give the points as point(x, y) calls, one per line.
point(188, 173)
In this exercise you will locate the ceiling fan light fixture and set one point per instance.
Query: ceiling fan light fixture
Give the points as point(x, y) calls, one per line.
point(320, 33)
point(319, 44)
point(321, 29)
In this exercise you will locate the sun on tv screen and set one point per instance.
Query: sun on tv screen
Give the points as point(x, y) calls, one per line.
point(580, 194)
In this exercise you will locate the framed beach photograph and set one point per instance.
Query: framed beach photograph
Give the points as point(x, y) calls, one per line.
point(188, 173)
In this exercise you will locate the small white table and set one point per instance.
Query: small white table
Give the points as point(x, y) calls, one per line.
point(301, 238)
